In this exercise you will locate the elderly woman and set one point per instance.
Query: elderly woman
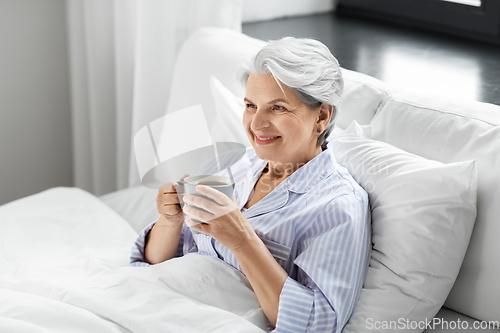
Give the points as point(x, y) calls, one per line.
point(298, 226)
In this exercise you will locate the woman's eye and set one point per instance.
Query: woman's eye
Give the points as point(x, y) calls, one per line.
point(279, 108)
point(250, 106)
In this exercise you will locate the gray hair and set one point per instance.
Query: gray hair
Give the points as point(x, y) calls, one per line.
point(306, 66)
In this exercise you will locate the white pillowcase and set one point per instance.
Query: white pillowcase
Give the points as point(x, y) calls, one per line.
point(137, 205)
point(361, 98)
point(453, 130)
point(228, 122)
point(423, 213)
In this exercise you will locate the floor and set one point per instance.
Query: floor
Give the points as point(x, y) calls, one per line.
point(404, 57)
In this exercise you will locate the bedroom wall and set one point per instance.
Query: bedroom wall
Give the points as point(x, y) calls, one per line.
point(35, 118)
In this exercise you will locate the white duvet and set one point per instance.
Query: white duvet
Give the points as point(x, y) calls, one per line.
point(64, 268)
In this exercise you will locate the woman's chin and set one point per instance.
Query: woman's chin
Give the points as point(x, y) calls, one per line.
point(264, 153)
point(267, 149)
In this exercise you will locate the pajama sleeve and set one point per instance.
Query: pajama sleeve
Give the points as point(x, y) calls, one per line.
point(138, 258)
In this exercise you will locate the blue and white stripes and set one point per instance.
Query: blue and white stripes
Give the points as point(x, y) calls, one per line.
point(316, 223)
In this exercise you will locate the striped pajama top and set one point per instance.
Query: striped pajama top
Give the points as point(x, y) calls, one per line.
point(316, 224)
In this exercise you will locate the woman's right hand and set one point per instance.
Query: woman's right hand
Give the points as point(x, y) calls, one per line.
point(162, 242)
point(168, 203)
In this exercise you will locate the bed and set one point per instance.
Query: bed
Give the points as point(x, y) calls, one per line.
point(64, 268)
point(64, 253)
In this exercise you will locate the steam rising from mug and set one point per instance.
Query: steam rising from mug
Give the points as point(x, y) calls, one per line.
point(180, 143)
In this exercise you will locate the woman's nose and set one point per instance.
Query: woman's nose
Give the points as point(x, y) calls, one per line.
point(260, 120)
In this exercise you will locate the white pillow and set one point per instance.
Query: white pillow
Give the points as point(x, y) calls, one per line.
point(137, 205)
point(361, 98)
point(228, 123)
point(453, 130)
point(423, 212)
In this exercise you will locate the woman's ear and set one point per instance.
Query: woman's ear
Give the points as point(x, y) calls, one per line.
point(325, 113)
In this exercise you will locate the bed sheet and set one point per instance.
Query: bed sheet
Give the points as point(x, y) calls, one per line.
point(64, 268)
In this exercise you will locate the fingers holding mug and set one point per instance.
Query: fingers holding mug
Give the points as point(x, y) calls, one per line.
point(168, 201)
point(168, 210)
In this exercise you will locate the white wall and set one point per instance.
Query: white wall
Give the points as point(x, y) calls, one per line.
point(35, 118)
point(261, 10)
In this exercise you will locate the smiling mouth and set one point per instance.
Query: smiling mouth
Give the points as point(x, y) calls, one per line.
point(268, 138)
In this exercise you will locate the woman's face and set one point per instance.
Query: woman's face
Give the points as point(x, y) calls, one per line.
point(280, 127)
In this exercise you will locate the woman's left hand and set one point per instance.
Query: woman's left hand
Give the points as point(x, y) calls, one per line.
point(224, 221)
